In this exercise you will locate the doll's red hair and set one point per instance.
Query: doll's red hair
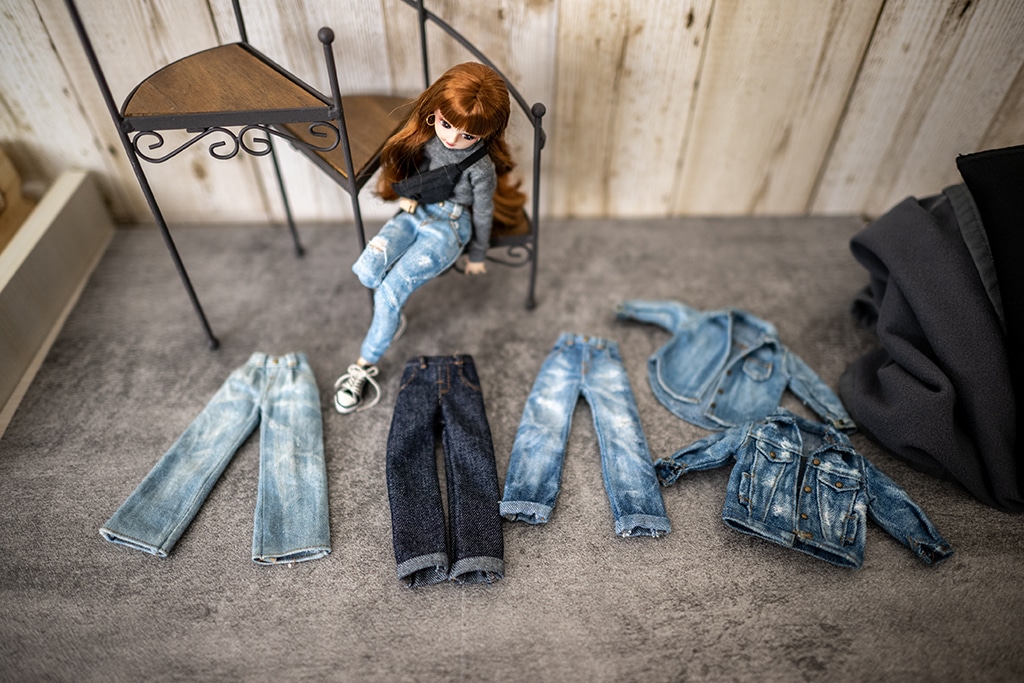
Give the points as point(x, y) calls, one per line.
point(472, 97)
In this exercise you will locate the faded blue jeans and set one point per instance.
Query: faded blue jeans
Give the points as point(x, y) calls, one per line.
point(592, 367)
point(291, 520)
point(409, 251)
point(444, 391)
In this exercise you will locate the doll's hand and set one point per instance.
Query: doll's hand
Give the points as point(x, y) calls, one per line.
point(475, 268)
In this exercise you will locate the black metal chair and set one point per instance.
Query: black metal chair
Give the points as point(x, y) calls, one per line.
point(235, 86)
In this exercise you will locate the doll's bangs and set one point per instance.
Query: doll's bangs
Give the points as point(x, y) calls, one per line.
point(481, 121)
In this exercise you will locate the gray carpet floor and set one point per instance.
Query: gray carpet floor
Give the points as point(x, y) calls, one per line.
point(130, 371)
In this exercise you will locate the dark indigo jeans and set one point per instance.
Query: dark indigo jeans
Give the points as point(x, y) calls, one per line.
point(443, 391)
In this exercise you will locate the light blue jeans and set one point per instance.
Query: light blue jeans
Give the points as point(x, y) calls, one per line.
point(409, 251)
point(593, 367)
point(291, 520)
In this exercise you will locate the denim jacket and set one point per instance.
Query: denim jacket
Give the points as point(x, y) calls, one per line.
point(723, 368)
point(801, 484)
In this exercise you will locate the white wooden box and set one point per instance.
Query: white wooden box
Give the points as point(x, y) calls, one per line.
point(42, 271)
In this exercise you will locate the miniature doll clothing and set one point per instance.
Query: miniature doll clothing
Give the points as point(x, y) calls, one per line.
point(436, 185)
point(409, 251)
point(444, 390)
point(291, 518)
point(593, 367)
point(475, 188)
point(724, 368)
point(802, 485)
point(413, 248)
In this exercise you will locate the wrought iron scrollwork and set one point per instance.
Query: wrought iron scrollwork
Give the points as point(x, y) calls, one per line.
point(247, 140)
point(516, 255)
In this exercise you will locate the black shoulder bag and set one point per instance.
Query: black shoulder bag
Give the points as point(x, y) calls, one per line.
point(436, 186)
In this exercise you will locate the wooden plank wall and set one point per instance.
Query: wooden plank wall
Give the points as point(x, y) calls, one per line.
point(655, 107)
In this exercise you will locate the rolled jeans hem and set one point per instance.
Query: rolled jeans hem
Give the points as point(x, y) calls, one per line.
point(524, 511)
point(412, 573)
point(134, 544)
point(478, 570)
point(642, 525)
point(298, 555)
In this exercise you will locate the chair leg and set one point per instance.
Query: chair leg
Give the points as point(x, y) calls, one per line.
point(357, 217)
point(211, 341)
point(531, 301)
point(299, 250)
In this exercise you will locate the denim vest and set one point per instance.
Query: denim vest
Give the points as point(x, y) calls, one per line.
point(724, 368)
point(802, 485)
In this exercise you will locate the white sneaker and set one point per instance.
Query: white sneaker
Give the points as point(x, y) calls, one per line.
point(348, 389)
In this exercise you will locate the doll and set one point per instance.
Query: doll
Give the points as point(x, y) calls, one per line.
point(456, 131)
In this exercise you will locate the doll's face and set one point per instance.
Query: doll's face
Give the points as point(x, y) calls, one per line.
point(452, 137)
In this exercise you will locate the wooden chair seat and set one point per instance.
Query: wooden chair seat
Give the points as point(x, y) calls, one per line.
point(371, 120)
point(233, 81)
point(235, 85)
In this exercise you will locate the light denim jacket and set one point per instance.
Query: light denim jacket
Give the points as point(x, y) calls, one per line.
point(802, 485)
point(723, 368)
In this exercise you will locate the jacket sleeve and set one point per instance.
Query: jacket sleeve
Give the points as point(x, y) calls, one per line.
point(892, 509)
point(817, 395)
point(668, 314)
point(708, 453)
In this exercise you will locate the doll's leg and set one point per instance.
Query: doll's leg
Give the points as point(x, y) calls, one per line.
point(435, 249)
point(386, 248)
point(436, 244)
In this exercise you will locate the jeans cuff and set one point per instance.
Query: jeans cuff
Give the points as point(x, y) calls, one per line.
point(524, 511)
point(369, 267)
point(424, 570)
point(135, 544)
point(478, 570)
point(300, 555)
point(642, 525)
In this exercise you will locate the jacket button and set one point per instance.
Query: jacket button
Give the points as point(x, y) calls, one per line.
point(772, 455)
point(815, 462)
point(803, 515)
point(807, 489)
point(712, 404)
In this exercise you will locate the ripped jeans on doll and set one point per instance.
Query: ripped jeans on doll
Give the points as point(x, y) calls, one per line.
point(409, 251)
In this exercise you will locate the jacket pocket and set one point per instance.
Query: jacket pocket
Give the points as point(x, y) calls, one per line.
point(771, 467)
point(838, 492)
point(757, 369)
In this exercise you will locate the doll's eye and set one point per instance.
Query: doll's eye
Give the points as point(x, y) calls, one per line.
point(468, 138)
point(445, 124)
